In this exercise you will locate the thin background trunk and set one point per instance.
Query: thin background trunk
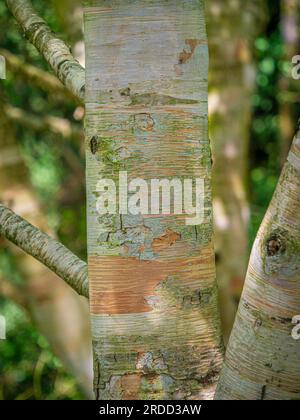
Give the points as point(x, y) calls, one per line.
point(288, 91)
point(232, 28)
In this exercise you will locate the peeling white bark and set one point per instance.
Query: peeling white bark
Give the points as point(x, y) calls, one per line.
point(262, 358)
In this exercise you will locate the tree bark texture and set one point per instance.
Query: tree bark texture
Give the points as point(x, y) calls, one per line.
point(45, 249)
point(55, 51)
point(153, 295)
point(262, 358)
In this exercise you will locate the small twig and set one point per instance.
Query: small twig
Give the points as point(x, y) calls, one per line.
point(55, 51)
point(45, 249)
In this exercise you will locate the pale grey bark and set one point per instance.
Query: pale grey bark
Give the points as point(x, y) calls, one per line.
point(262, 358)
point(54, 50)
point(153, 295)
point(45, 249)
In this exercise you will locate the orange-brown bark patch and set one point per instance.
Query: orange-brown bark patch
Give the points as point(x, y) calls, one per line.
point(166, 240)
point(130, 385)
point(121, 285)
point(185, 56)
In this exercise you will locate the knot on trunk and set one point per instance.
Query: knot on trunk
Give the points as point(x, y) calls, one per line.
point(281, 253)
point(274, 246)
point(276, 243)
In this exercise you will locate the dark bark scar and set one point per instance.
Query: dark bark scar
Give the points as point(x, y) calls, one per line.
point(94, 145)
point(185, 56)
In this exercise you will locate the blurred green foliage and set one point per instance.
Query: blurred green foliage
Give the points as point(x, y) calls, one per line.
point(272, 65)
point(28, 369)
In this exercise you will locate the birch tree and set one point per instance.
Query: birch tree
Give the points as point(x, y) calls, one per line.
point(262, 358)
point(157, 332)
point(53, 49)
point(153, 295)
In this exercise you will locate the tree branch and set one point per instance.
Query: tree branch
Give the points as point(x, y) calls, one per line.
point(47, 250)
point(54, 50)
point(40, 78)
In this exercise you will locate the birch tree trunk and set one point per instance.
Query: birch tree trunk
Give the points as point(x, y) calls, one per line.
point(232, 28)
point(262, 358)
point(153, 295)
